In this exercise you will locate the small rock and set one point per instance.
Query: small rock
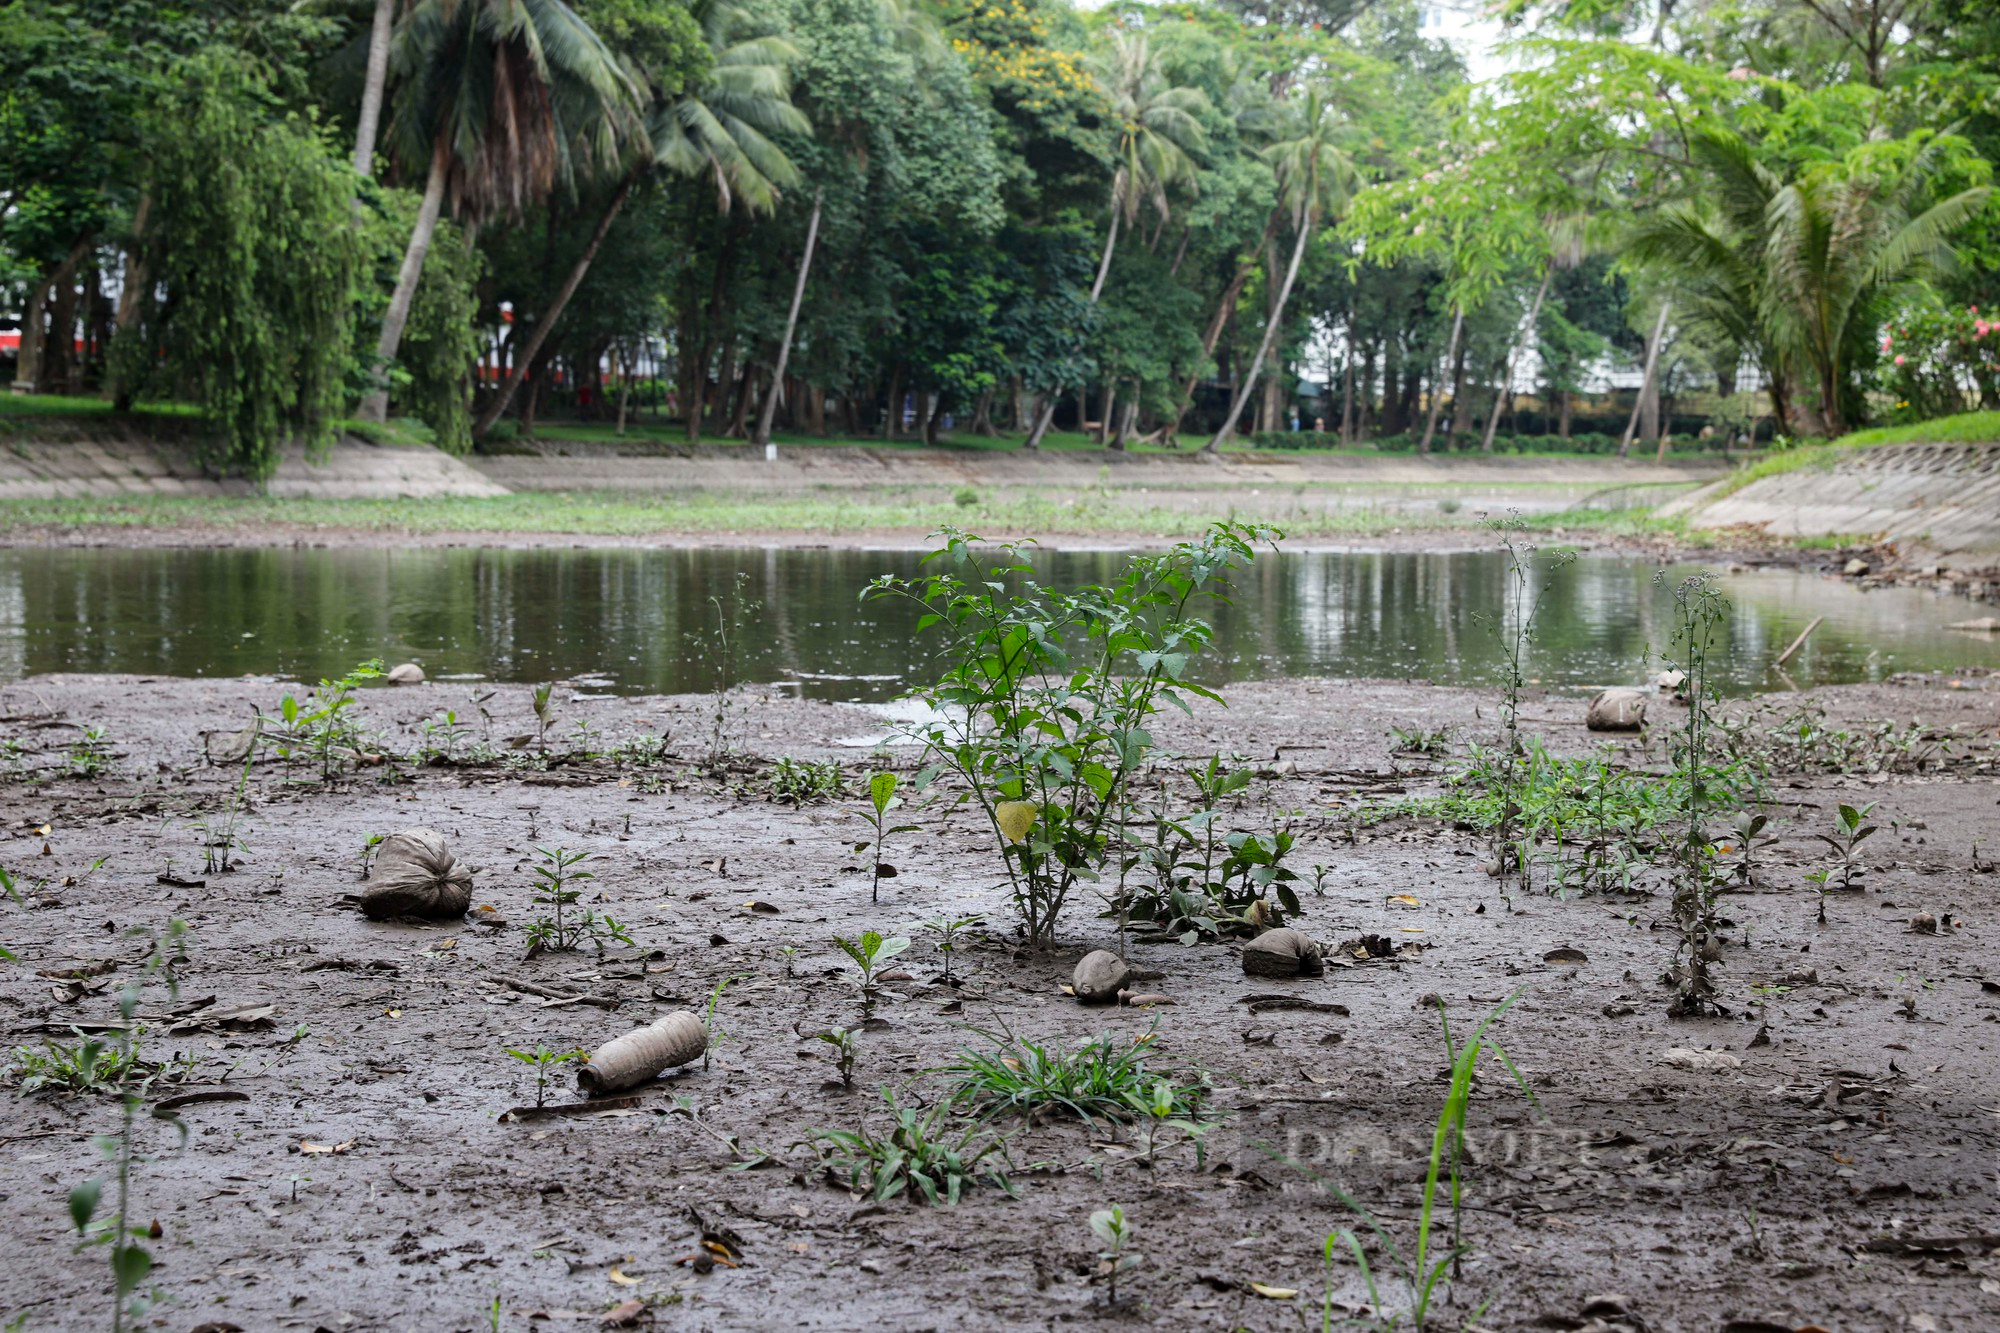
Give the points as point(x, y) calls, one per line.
point(1855, 568)
point(1619, 1009)
point(1099, 976)
point(409, 673)
point(1566, 955)
point(1619, 709)
point(1283, 952)
point(1923, 923)
point(1802, 976)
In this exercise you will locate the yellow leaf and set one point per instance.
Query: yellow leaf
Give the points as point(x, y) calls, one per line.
point(1015, 819)
point(1274, 1293)
point(1404, 898)
point(393, 1013)
point(621, 1279)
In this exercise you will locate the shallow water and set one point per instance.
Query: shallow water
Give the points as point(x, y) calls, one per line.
point(618, 619)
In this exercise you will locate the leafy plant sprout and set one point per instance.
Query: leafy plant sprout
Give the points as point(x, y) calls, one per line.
point(1699, 613)
point(572, 923)
point(544, 1060)
point(1513, 629)
point(719, 646)
point(917, 1156)
point(1425, 1274)
point(1104, 1081)
point(845, 1051)
point(543, 699)
point(882, 799)
point(797, 781)
point(868, 954)
point(219, 837)
point(1114, 1233)
point(951, 932)
point(131, 1263)
point(710, 1021)
point(1042, 706)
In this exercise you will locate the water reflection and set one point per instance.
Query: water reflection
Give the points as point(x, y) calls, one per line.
point(624, 614)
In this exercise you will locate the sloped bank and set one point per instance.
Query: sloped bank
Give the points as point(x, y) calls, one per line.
point(106, 460)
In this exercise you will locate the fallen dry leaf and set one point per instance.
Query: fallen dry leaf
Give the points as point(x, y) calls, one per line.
point(1270, 1293)
point(308, 1146)
point(621, 1279)
point(624, 1314)
point(1406, 899)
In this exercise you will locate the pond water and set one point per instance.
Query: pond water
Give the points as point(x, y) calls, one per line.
point(617, 619)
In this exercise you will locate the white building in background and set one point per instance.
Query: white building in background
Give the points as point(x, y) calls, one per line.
point(1464, 25)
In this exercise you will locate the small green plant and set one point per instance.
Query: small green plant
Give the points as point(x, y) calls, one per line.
point(1746, 829)
point(220, 836)
point(572, 923)
point(443, 735)
point(1528, 581)
point(89, 1064)
point(918, 1156)
point(90, 755)
point(1104, 1081)
point(797, 781)
point(1203, 880)
point(1431, 742)
point(1851, 829)
point(845, 1051)
point(1042, 709)
point(1426, 1273)
point(131, 1262)
point(965, 497)
point(882, 799)
point(719, 646)
point(545, 713)
point(369, 846)
point(868, 954)
point(1114, 1233)
point(318, 729)
point(711, 1020)
point(1166, 1105)
point(951, 934)
point(1700, 612)
point(544, 1061)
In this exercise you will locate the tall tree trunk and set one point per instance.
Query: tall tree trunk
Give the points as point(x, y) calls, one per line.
point(1128, 413)
point(940, 406)
point(1437, 390)
point(1347, 387)
point(624, 367)
point(1106, 409)
point(1222, 436)
point(1568, 402)
point(1212, 335)
point(1646, 382)
point(1392, 388)
point(1513, 360)
point(763, 435)
point(1034, 440)
point(370, 120)
point(1461, 411)
point(545, 325)
point(982, 414)
point(892, 420)
point(375, 406)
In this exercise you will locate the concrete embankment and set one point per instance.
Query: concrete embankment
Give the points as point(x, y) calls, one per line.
point(1943, 498)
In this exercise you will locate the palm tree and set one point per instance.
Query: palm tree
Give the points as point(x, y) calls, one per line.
point(720, 131)
point(502, 101)
point(1314, 178)
point(1801, 272)
point(1157, 127)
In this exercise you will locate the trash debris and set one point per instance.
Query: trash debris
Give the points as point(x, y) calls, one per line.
point(416, 875)
point(406, 673)
point(640, 1056)
point(1620, 708)
point(1702, 1062)
point(1100, 975)
point(1283, 952)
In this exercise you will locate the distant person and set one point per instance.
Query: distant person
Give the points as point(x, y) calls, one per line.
point(1295, 421)
point(1319, 425)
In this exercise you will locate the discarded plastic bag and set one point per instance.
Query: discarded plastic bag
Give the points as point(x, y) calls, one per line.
point(1618, 709)
point(415, 874)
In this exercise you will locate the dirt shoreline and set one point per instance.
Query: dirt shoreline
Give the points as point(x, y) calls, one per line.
point(1841, 1175)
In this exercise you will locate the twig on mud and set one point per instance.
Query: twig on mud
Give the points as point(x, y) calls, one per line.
point(559, 997)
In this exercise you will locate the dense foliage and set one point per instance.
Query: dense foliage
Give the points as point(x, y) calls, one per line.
point(1150, 221)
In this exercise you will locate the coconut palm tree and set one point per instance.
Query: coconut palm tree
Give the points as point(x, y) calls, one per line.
point(1157, 128)
point(1801, 271)
point(1315, 178)
point(719, 131)
point(501, 102)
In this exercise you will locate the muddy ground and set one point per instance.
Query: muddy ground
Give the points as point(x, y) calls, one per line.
point(1842, 1176)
